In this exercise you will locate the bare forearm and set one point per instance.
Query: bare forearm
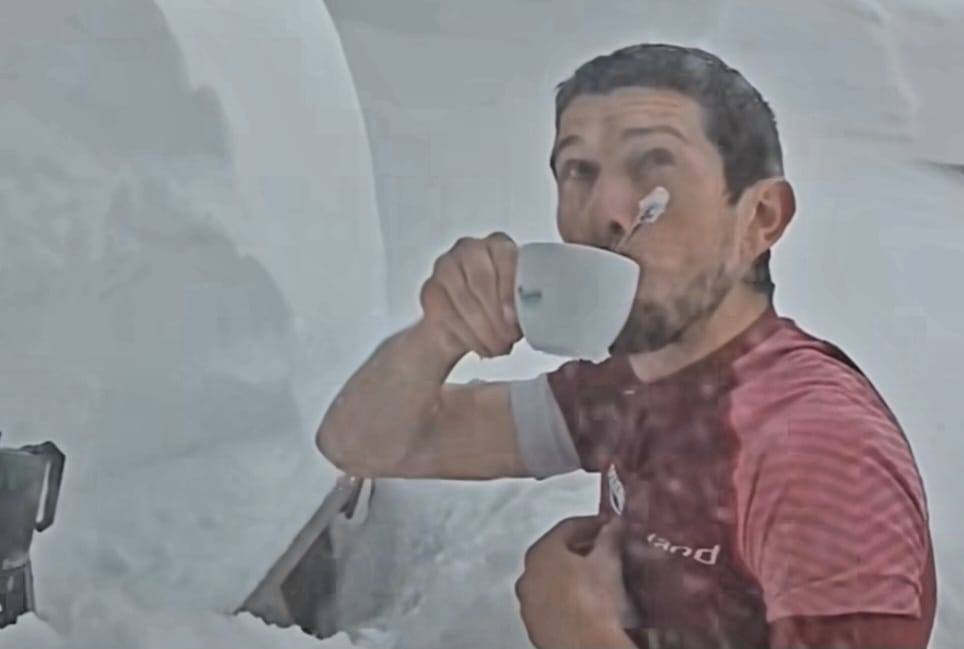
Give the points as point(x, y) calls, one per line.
point(378, 415)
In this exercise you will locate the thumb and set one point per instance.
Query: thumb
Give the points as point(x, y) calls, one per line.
point(579, 533)
point(606, 560)
point(608, 539)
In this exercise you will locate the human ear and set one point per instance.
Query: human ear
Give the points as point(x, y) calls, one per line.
point(769, 208)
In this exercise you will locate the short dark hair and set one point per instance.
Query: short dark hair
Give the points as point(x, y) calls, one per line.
point(737, 119)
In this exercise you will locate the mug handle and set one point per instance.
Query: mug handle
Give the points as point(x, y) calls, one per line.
point(55, 459)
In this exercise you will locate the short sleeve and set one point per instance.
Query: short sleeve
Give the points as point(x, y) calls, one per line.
point(545, 443)
point(592, 403)
point(838, 520)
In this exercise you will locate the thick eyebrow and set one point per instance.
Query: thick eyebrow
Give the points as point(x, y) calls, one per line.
point(652, 130)
point(640, 131)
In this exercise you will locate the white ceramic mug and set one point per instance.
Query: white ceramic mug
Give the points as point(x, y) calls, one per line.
point(573, 300)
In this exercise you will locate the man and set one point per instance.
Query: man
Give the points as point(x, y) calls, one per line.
point(756, 490)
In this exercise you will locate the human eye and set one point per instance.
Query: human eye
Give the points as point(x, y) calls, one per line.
point(646, 161)
point(577, 170)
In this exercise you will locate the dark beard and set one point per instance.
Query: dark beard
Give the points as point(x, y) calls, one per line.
point(652, 325)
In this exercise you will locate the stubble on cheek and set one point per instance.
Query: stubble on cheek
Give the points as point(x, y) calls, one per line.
point(654, 324)
point(648, 328)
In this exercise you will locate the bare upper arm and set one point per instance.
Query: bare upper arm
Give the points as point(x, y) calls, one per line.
point(472, 436)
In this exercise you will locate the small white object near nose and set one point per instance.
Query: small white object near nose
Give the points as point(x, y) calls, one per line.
point(653, 205)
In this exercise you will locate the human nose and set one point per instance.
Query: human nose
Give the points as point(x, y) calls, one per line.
point(613, 210)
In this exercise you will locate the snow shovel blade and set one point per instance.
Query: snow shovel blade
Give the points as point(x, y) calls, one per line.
point(299, 589)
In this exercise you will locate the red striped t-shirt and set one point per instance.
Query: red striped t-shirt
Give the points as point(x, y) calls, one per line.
point(768, 480)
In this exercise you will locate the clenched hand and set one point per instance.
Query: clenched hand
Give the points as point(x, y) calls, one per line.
point(469, 298)
point(571, 598)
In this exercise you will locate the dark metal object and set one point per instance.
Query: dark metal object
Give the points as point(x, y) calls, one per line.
point(299, 589)
point(24, 474)
point(16, 593)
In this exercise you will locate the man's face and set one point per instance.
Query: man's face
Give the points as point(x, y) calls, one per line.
point(613, 150)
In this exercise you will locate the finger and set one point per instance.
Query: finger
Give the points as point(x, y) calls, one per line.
point(452, 278)
point(503, 319)
point(609, 536)
point(578, 529)
point(550, 548)
point(581, 545)
point(569, 535)
point(583, 533)
point(474, 313)
point(606, 564)
point(505, 255)
point(482, 278)
point(435, 301)
point(606, 553)
point(468, 257)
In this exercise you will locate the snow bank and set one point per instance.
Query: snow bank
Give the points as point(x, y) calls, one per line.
point(184, 188)
point(114, 622)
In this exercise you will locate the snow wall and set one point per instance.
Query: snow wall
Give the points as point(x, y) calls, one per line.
point(185, 188)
